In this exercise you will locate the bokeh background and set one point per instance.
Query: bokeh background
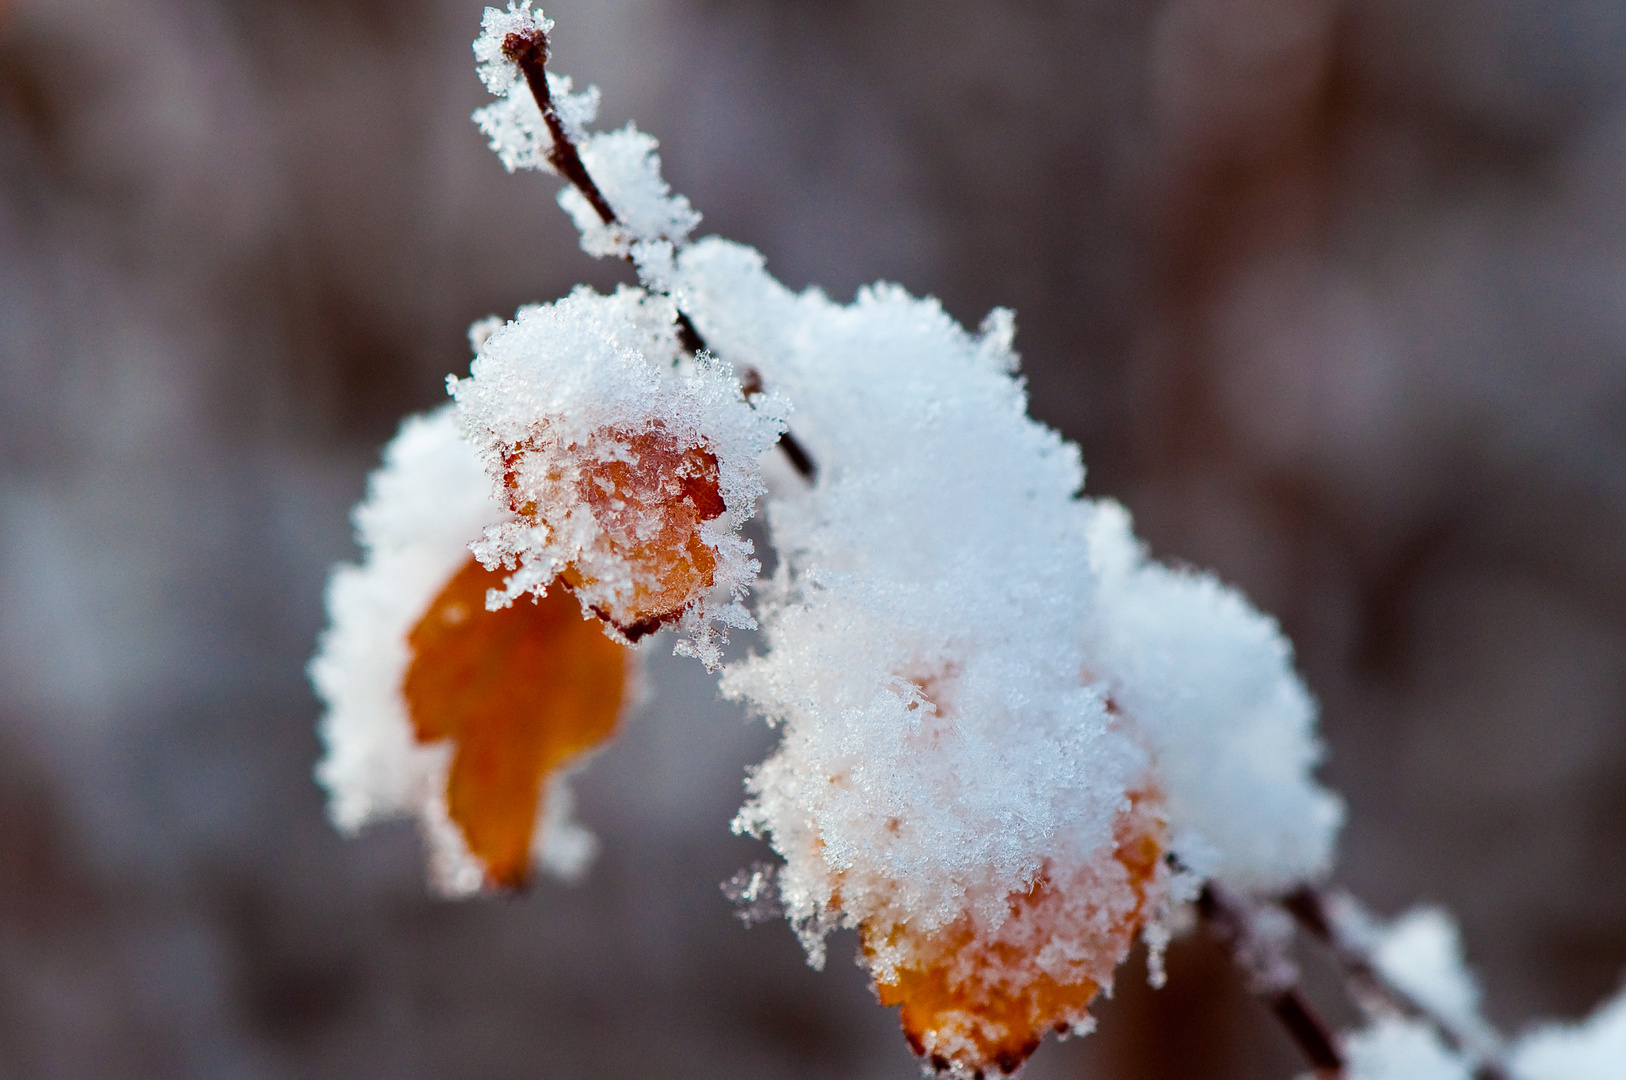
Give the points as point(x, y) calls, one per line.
point(1331, 292)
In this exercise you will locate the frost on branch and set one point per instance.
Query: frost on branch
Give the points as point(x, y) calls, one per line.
point(629, 173)
point(625, 469)
point(409, 720)
point(618, 199)
point(1420, 954)
point(515, 126)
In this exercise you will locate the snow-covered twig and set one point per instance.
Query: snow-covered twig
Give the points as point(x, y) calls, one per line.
point(529, 50)
point(1344, 927)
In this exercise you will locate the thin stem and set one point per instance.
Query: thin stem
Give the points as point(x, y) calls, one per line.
point(1270, 976)
point(797, 456)
point(1307, 1028)
point(530, 52)
point(751, 383)
point(693, 343)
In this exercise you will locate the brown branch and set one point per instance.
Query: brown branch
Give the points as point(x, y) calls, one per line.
point(1270, 976)
point(530, 52)
point(1307, 1029)
point(1309, 908)
point(751, 383)
point(691, 341)
point(797, 456)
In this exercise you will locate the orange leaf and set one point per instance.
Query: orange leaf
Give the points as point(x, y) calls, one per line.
point(521, 691)
point(649, 493)
point(974, 1005)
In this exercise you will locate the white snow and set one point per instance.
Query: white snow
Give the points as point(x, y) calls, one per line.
point(1397, 1049)
point(1421, 954)
point(1210, 681)
point(1594, 1049)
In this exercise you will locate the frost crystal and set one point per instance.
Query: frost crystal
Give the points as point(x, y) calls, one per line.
point(497, 69)
point(622, 164)
point(515, 127)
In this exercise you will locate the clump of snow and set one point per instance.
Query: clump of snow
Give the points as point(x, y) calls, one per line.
point(1421, 955)
point(973, 666)
point(424, 506)
point(943, 745)
point(1397, 1049)
point(1210, 681)
point(1594, 1049)
point(624, 165)
point(567, 394)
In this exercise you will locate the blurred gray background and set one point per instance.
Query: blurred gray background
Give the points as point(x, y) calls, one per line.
point(1331, 292)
